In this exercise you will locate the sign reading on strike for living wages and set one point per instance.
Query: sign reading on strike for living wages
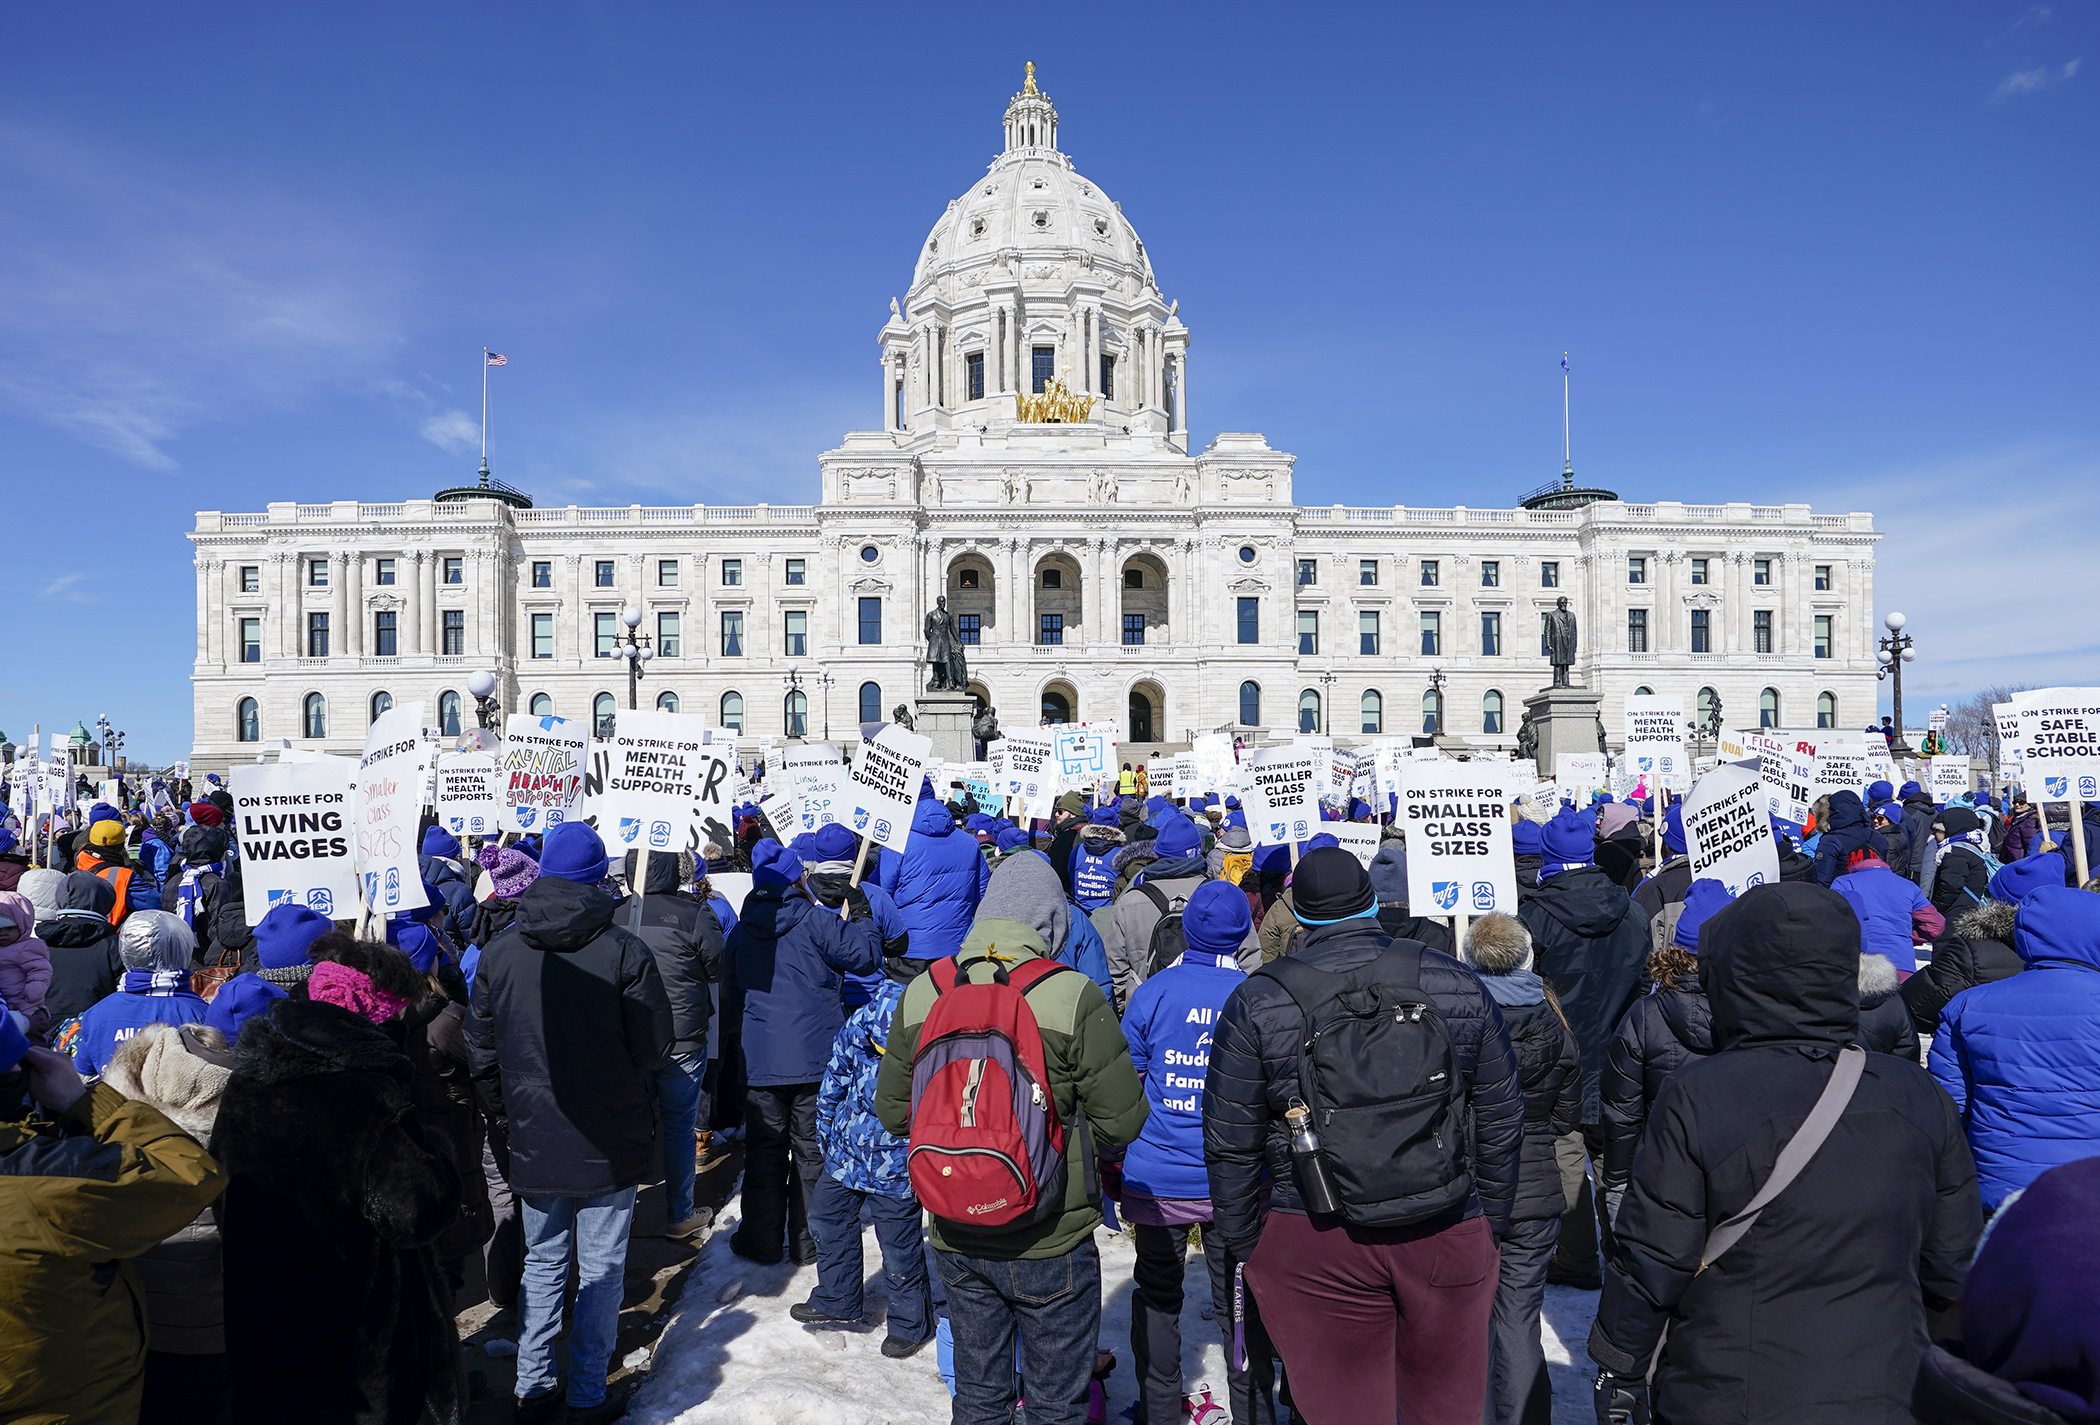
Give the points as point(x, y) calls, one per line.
point(1728, 832)
point(2060, 743)
point(883, 788)
point(2012, 764)
point(1159, 777)
point(818, 797)
point(1279, 789)
point(1459, 857)
point(542, 770)
point(388, 804)
point(466, 793)
point(663, 780)
point(292, 820)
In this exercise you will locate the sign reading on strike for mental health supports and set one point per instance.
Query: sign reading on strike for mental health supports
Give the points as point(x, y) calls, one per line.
point(1280, 792)
point(2060, 743)
point(388, 804)
point(883, 788)
point(542, 770)
point(292, 820)
point(1728, 832)
point(1459, 857)
point(466, 793)
point(1655, 742)
point(663, 780)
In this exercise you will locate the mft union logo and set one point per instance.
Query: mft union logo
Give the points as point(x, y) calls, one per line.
point(630, 828)
point(1445, 894)
point(1483, 895)
point(860, 818)
point(321, 901)
point(659, 834)
point(279, 896)
point(2057, 787)
point(525, 818)
point(1299, 829)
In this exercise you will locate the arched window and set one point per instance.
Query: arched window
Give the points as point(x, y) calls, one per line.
point(1250, 704)
point(1644, 692)
point(1704, 717)
point(733, 711)
point(1432, 713)
point(542, 705)
point(871, 702)
point(316, 715)
point(448, 713)
point(381, 703)
point(602, 710)
point(1372, 709)
point(1826, 710)
point(1140, 724)
point(1057, 708)
point(1491, 711)
point(1768, 708)
point(1308, 711)
point(247, 721)
point(667, 701)
point(795, 713)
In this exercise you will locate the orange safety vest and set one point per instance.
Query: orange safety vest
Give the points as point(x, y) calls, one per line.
point(118, 877)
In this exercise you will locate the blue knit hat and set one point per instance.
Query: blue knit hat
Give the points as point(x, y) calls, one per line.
point(439, 842)
point(1700, 902)
point(1673, 828)
point(774, 865)
point(1177, 838)
point(1908, 789)
point(1012, 838)
point(284, 933)
point(103, 811)
point(1325, 838)
point(835, 842)
point(574, 853)
point(1880, 791)
point(2013, 883)
point(977, 821)
point(1101, 816)
point(1525, 837)
point(1567, 840)
point(417, 941)
point(1892, 812)
point(1273, 860)
point(1216, 919)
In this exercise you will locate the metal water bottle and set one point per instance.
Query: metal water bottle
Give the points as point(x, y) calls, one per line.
point(1315, 1187)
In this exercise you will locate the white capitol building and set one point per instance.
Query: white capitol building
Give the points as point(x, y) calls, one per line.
point(1099, 565)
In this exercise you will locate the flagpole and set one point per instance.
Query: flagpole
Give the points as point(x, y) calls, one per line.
point(484, 408)
point(1567, 450)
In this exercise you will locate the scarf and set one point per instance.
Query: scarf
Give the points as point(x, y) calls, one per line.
point(1216, 962)
point(159, 984)
point(189, 893)
point(1518, 987)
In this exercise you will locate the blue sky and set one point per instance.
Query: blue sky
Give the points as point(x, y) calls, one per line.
point(1842, 254)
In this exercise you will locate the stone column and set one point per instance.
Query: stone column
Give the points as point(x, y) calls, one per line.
point(353, 634)
point(579, 616)
point(408, 568)
point(283, 593)
point(207, 610)
point(338, 600)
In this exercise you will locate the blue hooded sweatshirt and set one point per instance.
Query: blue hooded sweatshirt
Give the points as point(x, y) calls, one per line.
point(1883, 901)
point(937, 882)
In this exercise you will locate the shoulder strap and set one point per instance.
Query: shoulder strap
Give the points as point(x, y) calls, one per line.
point(1799, 1150)
point(943, 973)
point(1027, 976)
point(1157, 896)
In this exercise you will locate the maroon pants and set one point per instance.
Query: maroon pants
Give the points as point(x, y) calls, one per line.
point(1372, 1322)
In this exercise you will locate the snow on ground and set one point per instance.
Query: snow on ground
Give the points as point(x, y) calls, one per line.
point(731, 1354)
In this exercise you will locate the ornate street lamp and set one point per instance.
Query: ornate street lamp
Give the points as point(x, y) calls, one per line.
point(1895, 651)
point(635, 649)
point(481, 684)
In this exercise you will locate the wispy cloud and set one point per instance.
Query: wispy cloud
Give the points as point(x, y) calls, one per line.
point(2033, 81)
point(66, 588)
point(453, 431)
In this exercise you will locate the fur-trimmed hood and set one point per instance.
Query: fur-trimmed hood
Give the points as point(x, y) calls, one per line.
point(1993, 920)
point(304, 1039)
point(1877, 978)
point(172, 1070)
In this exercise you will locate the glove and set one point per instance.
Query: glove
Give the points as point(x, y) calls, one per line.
point(1621, 1400)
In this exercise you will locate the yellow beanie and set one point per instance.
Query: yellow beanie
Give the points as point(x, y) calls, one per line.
point(107, 832)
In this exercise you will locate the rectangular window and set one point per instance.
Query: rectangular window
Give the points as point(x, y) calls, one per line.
point(871, 620)
point(1491, 634)
point(1043, 366)
point(251, 578)
point(1429, 573)
point(317, 635)
point(1367, 633)
point(667, 635)
point(1698, 571)
point(1108, 377)
point(1308, 572)
point(1549, 574)
point(966, 578)
point(973, 376)
point(1761, 630)
point(897, 405)
point(1053, 578)
point(796, 630)
point(1701, 634)
point(603, 574)
point(1636, 571)
point(1822, 635)
point(732, 573)
point(666, 573)
point(1053, 630)
point(797, 572)
point(1432, 635)
point(733, 633)
point(454, 569)
point(1133, 629)
point(317, 573)
point(542, 573)
point(1308, 631)
point(608, 633)
point(1823, 578)
point(543, 635)
point(970, 628)
point(1250, 620)
point(1760, 571)
point(382, 571)
point(453, 636)
point(1636, 630)
point(1133, 577)
point(251, 640)
point(1367, 571)
point(1490, 573)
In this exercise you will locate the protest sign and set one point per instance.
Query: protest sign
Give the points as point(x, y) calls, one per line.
point(1785, 797)
point(1159, 778)
point(1186, 784)
point(1581, 773)
point(293, 824)
point(467, 783)
point(2012, 765)
point(778, 808)
point(664, 778)
point(387, 802)
point(1359, 838)
point(1936, 721)
point(976, 778)
point(1031, 771)
point(1880, 766)
point(1215, 762)
point(1655, 742)
point(542, 770)
point(1459, 857)
point(883, 787)
point(1279, 794)
point(1728, 832)
point(1950, 777)
point(1841, 762)
point(1082, 755)
point(2060, 742)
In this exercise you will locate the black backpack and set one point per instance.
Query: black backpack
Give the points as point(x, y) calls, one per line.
point(1168, 942)
point(1376, 1067)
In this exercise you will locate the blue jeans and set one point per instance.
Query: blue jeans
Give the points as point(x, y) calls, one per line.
point(678, 1104)
point(595, 1230)
point(834, 1218)
point(1053, 1304)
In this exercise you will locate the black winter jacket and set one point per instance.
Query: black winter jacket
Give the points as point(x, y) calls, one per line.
point(491, 918)
point(1669, 885)
point(1960, 881)
point(1917, 836)
point(1436, 934)
point(1253, 1075)
point(682, 933)
point(1884, 1020)
point(569, 1022)
point(1817, 1317)
point(1951, 1390)
point(1659, 1035)
point(1591, 943)
point(1550, 1069)
point(1848, 831)
point(85, 965)
point(1977, 949)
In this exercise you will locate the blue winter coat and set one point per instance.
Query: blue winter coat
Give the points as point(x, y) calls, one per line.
point(2021, 1056)
point(239, 1000)
point(937, 882)
point(858, 1150)
point(786, 958)
point(446, 879)
point(1084, 952)
point(1883, 902)
point(115, 1018)
point(156, 858)
point(1169, 1024)
point(889, 925)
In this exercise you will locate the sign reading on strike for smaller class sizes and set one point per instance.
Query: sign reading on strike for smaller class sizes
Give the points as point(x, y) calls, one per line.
point(1030, 772)
point(883, 788)
point(1459, 857)
point(293, 823)
point(1279, 787)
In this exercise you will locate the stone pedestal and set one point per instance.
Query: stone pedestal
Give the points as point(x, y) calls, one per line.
point(946, 718)
point(1566, 720)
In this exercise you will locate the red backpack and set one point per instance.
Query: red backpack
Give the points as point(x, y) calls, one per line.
point(987, 1148)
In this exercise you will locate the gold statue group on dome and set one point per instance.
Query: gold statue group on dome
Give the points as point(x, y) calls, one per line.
point(1056, 405)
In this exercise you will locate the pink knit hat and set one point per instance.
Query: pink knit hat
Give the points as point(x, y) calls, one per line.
point(353, 990)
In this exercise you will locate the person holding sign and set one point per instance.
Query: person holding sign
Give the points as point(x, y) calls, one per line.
point(936, 881)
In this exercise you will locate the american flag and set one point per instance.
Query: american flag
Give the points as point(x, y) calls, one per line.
point(497, 358)
point(1563, 361)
